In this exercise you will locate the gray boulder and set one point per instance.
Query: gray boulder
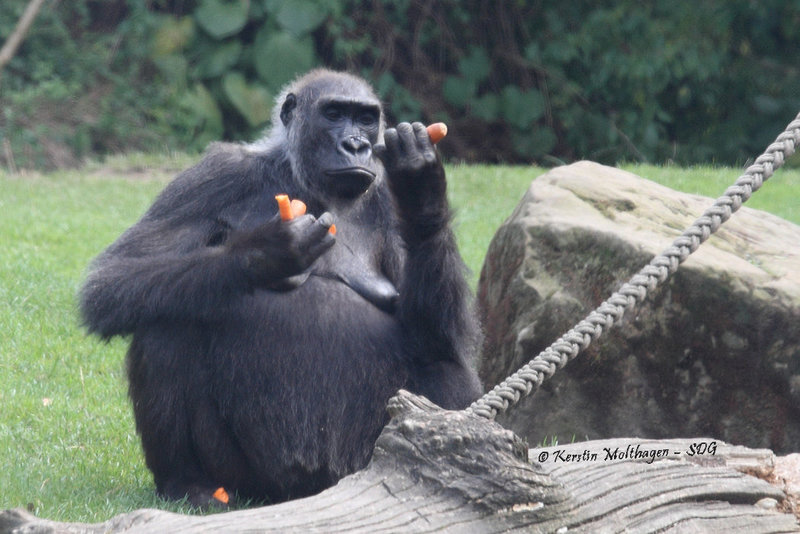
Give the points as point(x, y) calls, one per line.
point(715, 351)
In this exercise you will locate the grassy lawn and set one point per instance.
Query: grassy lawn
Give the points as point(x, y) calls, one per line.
point(67, 435)
point(484, 196)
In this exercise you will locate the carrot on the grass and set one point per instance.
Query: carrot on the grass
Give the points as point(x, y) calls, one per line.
point(437, 131)
point(221, 495)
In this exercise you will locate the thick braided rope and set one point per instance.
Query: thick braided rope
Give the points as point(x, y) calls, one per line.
point(528, 378)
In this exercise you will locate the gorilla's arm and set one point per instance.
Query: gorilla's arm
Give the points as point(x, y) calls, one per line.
point(150, 274)
point(181, 261)
point(434, 304)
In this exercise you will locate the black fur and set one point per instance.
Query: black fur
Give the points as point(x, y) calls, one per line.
point(263, 352)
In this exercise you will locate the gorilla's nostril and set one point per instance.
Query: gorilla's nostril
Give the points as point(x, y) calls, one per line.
point(356, 144)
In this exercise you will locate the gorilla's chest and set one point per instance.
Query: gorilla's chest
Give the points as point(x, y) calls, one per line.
point(322, 333)
point(358, 270)
point(344, 303)
point(340, 317)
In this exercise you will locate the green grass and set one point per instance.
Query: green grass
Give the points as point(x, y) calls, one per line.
point(779, 195)
point(484, 196)
point(65, 428)
point(69, 447)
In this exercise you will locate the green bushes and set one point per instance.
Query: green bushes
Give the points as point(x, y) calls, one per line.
point(232, 56)
point(81, 84)
point(518, 81)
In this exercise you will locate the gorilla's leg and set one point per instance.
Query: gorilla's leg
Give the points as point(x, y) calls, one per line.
point(169, 399)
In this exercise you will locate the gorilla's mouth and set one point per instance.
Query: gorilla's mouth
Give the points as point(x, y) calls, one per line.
point(350, 181)
point(354, 172)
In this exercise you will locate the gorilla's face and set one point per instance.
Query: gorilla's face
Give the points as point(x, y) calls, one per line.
point(333, 128)
point(350, 130)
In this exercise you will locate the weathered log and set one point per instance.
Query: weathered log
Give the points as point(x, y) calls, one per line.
point(435, 470)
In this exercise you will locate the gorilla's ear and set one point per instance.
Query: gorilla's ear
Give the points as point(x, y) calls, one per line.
point(288, 106)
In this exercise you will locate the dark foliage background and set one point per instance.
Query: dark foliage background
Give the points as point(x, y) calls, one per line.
point(517, 81)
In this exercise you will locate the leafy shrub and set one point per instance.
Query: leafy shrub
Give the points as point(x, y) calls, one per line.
point(550, 81)
point(517, 81)
point(80, 84)
point(233, 56)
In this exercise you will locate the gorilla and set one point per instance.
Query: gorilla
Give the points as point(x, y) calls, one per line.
point(263, 351)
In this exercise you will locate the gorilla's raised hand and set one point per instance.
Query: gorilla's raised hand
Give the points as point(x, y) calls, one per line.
point(416, 178)
point(277, 250)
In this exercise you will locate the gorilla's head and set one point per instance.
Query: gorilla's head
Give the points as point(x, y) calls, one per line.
point(332, 121)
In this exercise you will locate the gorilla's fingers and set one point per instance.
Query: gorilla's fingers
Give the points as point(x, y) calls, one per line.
point(424, 144)
point(407, 140)
point(387, 152)
point(302, 222)
point(419, 130)
point(321, 228)
point(390, 137)
point(318, 248)
point(326, 220)
point(409, 150)
point(379, 151)
point(317, 236)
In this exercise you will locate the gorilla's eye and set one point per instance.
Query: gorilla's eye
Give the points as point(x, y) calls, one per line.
point(367, 118)
point(333, 113)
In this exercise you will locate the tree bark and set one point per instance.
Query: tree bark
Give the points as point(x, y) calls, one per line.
point(439, 471)
point(18, 35)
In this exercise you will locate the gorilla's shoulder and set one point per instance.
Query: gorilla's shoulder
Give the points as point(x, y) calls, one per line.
point(233, 161)
point(226, 173)
point(226, 164)
point(231, 152)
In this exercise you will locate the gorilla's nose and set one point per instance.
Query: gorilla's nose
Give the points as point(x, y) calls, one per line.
point(356, 145)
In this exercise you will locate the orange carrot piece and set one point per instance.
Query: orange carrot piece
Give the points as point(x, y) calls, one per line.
point(298, 207)
point(289, 209)
point(284, 207)
point(437, 131)
point(221, 495)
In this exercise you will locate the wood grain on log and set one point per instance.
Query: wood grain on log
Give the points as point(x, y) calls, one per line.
point(439, 471)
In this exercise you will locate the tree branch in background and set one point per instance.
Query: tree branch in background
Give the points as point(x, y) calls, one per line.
point(18, 35)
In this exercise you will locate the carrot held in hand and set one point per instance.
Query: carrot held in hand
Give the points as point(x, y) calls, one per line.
point(284, 207)
point(298, 207)
point(437, 131)
point(290, 210)
point(294, 208)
